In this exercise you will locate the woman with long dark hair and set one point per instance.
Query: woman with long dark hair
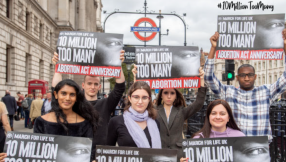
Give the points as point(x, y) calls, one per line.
point(219, 122)
point(71, 114)
point(137, 126)
point(173, 112)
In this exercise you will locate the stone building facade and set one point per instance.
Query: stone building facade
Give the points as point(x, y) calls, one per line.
point(28, 36)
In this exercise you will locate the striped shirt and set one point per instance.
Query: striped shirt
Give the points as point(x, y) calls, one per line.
point(250, 108)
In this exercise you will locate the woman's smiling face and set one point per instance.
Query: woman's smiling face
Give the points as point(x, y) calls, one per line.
point(66, 97)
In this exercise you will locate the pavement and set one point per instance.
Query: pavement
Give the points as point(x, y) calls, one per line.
point(19, 127)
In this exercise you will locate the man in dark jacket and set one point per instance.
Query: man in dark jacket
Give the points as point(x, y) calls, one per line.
point(11, 105)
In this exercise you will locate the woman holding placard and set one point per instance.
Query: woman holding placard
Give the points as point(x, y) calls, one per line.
point(137, 126)
point(71, 114)
point(172, 113)
point(219, 122)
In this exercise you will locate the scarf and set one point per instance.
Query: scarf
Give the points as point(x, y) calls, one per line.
point(136, 131)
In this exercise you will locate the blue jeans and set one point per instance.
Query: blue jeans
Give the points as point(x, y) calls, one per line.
point(27, 119)
point(20, 112)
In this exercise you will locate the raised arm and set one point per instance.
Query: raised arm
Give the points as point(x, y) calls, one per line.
point(134, 71)
point(116, 94)
point(57, 76)
point(213, 41)
point(199, 102)
point(121, 79)
point(277, 88)
point(211, 80)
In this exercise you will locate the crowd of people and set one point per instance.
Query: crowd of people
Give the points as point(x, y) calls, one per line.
point(70, 111)
point(25, 108)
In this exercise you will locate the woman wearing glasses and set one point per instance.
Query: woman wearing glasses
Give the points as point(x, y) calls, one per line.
point(137, 126)
point(172, 113)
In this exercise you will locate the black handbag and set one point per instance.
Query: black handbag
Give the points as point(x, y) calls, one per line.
point(16, 117)
point(30, 124)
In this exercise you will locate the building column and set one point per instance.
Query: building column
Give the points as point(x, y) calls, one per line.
point(82, 16)
point(63, 10)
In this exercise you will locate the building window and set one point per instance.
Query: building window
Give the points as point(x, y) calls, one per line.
point(281, 62)
point(270, 64)
point(41, 31)
point(21, 11)
point(27, 71)
point(275, 63)
point(223, 67)
point(263, 65)
point(270, 79)
point(27, 21)
point(41, 69)
point(263, 80)
point(8, 14)
point(275, 78)
point(51, 39)
point(8, 65)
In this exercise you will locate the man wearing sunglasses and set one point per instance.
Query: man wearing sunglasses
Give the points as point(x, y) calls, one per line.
point(250, 105)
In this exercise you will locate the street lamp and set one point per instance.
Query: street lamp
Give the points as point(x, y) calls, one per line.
point(161, 17)
point(128, 66)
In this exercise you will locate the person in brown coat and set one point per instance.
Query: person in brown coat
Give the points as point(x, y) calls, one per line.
point(36, 106)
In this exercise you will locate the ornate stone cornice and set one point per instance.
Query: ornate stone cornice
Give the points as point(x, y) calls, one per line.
point(47, 16)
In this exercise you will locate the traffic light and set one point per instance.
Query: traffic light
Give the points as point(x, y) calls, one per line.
point(223, 77)
point(229, 70)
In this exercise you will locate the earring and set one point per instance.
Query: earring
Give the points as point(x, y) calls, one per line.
point(162, 102)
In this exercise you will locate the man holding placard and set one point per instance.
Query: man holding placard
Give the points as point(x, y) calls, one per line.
point(250, 104)
point(108, 47)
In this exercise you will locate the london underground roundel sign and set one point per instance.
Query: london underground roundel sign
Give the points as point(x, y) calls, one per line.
point(152, 29)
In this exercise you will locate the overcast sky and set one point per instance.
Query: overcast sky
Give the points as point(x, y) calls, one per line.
point(201, 19)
